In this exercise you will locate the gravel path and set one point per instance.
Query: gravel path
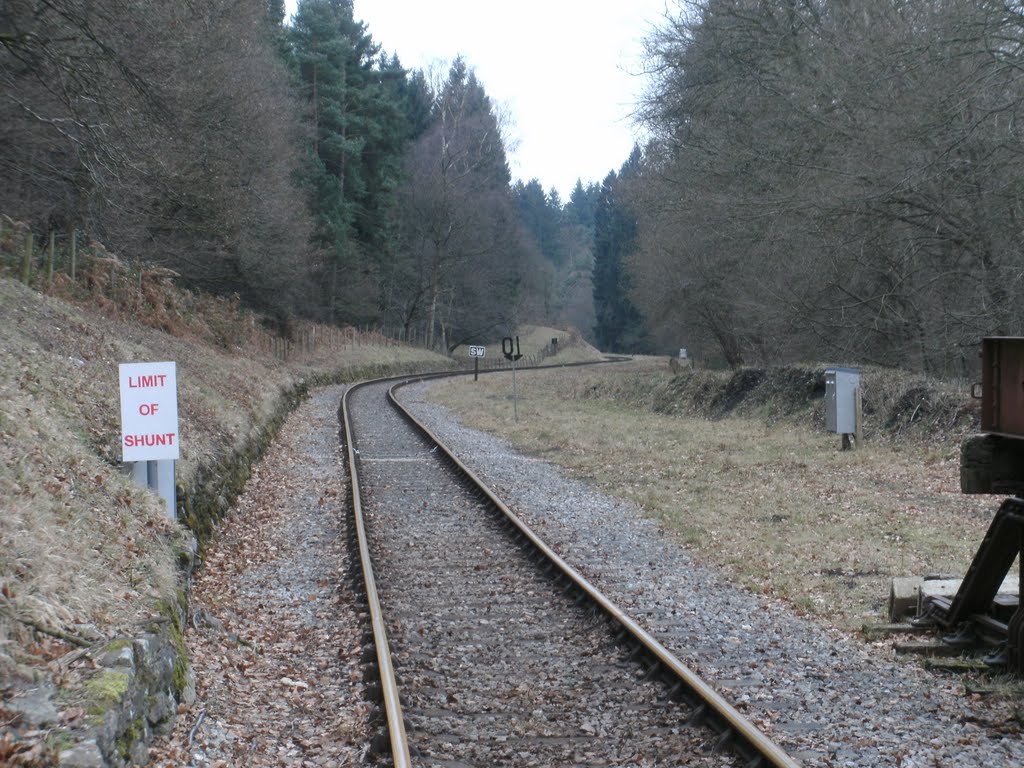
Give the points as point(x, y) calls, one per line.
point(276, 634)
point(827, 698)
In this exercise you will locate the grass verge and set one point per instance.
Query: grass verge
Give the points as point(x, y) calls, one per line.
point(768, 496)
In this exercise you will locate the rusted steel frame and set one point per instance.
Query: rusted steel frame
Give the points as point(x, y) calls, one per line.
point(389, 688)
point(742, 729)
point(999, 548)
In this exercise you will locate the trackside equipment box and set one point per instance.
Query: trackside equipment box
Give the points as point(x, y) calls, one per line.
point(841, 385)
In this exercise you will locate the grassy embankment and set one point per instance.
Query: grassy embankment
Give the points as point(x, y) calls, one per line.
point(740, 468)
point(85, 556)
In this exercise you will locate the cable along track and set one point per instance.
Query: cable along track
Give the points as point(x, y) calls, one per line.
point(505, 654)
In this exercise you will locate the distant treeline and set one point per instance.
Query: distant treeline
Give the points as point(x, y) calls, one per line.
point(832, 180)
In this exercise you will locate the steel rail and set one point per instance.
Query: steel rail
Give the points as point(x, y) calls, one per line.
point(395, 721)
point(389, 687)
point(731, 723)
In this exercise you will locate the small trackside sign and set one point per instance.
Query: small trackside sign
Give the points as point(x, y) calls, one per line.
point(477, 351)
point(149, 411)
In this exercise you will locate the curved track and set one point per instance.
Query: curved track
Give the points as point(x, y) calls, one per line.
point(504, 654)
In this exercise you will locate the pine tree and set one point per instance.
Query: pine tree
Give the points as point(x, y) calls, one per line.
point(275, 12)
point(358, 129)
point(619, 327)
point(465, 111)
point(582, 204)
point(417, 99)
point(542, 216)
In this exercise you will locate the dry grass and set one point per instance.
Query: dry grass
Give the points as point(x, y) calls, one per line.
point(772, 501)
point(78, 543)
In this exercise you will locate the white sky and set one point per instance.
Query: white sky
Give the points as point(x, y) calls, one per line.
point(560, 69)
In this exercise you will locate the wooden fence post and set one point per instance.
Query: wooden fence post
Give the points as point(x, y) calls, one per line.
point(26, 263)
point(50, 257)
point(72, 250)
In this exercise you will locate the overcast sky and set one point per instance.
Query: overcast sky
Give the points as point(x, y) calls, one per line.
point(563, 70)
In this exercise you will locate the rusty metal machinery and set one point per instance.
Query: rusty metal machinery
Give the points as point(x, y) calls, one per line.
point(993, 462)
point(974, 612)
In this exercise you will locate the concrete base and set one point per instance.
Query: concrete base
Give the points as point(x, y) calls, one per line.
point(949, 588)
point(904, 597)
point(908, 593)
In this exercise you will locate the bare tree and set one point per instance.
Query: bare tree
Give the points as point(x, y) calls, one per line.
point(165, 130)
point(846, 176)
point(462, 247)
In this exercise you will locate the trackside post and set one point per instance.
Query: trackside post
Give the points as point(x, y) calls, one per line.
point(149, 426)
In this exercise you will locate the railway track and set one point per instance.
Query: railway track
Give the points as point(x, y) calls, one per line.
point(491, 650)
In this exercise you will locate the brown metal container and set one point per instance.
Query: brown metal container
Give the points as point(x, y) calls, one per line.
point(1002, 385)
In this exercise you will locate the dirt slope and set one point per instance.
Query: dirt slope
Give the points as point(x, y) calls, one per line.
point(86, 557)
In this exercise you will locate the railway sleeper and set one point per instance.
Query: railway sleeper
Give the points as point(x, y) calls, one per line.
point(379, 720)
point(636, 652)
point(698, 716)
point(598, 614)
point(380, 744)
point(724, 741)
point(374, 692)
point(652, 671)
point(677, 690)
point(371, 673)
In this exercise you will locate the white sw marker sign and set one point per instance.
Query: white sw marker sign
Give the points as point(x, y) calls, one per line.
point(149, 411)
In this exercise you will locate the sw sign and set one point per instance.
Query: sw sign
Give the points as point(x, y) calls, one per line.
point(149, 411)
point(477, 351)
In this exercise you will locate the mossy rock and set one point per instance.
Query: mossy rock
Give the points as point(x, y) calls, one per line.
point(106, 689)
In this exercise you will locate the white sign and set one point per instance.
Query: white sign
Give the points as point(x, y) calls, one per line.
point(149, 411)
point(477, 351)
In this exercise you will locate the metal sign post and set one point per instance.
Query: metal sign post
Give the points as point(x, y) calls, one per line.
point(149, 426)
point(476, 353)
point(512, 353)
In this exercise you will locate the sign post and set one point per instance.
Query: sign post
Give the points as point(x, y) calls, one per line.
point(512, 353)
point(149, 425)
point(476, 353)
